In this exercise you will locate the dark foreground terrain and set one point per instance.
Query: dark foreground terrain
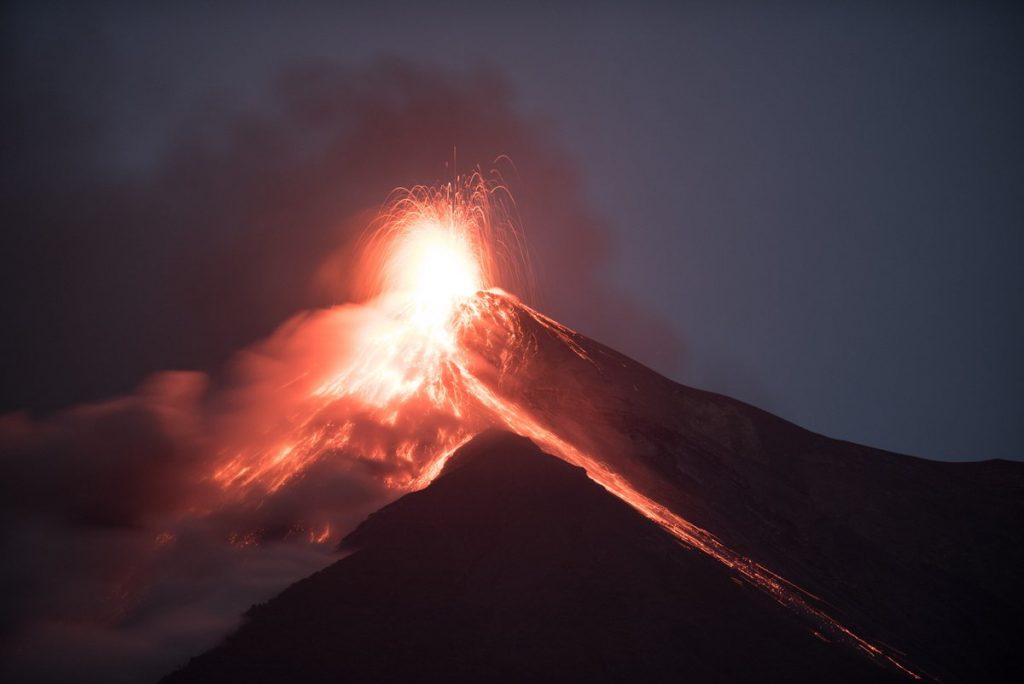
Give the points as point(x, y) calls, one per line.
point(514, 566)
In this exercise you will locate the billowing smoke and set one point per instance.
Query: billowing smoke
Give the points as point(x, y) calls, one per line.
point(250, 215)
point(126, 549)
point(123, 552)
point(138, 529)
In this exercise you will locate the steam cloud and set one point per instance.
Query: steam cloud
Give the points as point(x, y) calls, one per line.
point(122, 554)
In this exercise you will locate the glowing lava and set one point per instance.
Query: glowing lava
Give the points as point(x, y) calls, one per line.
point(409, 393)
point(432, 268)
point(396, 394)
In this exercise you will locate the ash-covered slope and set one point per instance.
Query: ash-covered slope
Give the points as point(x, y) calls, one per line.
point(513, 566)
point(923, 556)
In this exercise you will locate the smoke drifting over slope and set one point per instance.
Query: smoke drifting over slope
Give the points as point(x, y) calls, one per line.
point(250, 215)
point(124, 553)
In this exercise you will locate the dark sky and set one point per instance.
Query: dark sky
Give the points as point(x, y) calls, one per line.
point(822, 202)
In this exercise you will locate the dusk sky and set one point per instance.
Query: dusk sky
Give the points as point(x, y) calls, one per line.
point(818, 207)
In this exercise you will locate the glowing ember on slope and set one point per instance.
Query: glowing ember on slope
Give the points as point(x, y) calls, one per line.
point(393, 394)
point(430, 251)
point(431, 269)
point(407, 394)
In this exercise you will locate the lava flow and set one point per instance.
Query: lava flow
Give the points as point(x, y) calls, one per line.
point(409, 391)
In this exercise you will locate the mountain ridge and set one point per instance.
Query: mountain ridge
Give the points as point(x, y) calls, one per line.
point(916, 553)
point(512, 565)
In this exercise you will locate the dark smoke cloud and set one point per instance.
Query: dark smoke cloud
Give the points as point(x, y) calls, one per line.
point(113, 562)
point(124, 555)
point(246, 218)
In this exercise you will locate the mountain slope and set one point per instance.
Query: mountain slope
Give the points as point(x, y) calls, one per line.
point(918, 554)
point(512, 566)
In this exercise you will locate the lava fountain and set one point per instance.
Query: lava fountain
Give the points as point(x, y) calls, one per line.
point(398, 391)
point(408, 391)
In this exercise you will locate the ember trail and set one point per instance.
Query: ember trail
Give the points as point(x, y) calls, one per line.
point(439, 341)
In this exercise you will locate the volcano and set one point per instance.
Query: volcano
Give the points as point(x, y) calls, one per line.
point(640, 529)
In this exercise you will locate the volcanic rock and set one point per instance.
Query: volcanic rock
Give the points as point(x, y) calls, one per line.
point(514, 566)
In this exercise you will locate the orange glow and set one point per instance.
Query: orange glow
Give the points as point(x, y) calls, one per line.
point(432, 268)
point(403, 391)
point(396, 393)
point(435, 245)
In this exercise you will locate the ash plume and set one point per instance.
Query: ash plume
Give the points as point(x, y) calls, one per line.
point(250, 214)
point(126, 553)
